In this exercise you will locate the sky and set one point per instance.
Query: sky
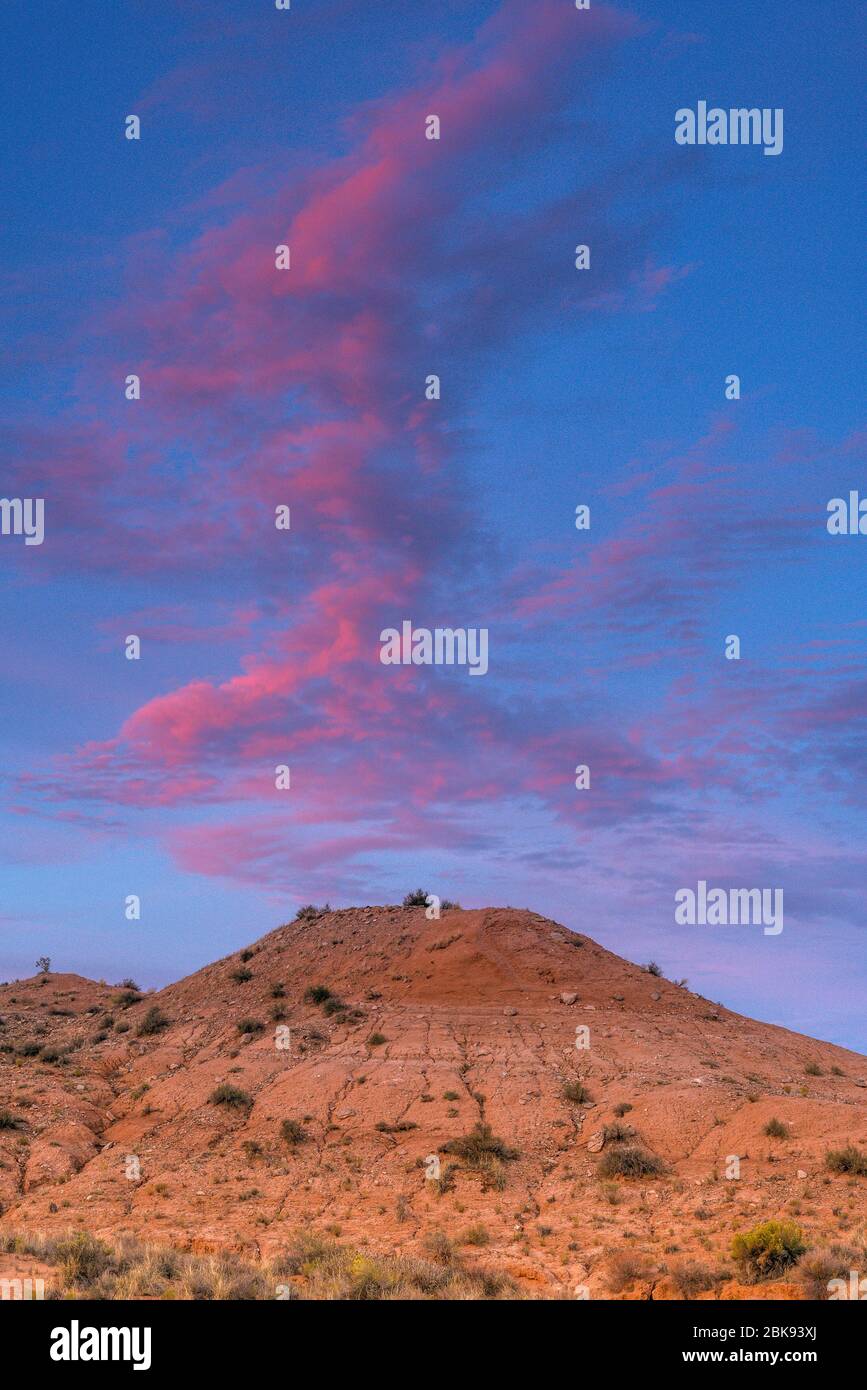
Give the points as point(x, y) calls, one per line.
point(306, 387)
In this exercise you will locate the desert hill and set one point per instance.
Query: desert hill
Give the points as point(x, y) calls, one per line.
point(306, 1083)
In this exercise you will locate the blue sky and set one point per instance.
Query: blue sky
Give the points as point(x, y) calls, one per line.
point(155, 777)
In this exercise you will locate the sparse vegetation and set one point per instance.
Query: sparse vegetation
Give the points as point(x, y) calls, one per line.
point(242, 975)
point(819, 1267)
point(847, 1160)
point(483, 1152)
point(653, 969)
point(225, 1094)
point(8, 1120)
point(292, 1132)
point(43, 965)
point(626, 1269)
point(417, 898)
point(153, 1022)
point(813, 1069)
point(768, 1250)
point(577, 1092)
point(775, 1129)
point(622, 1109)
point(691, 1278)
point(631, 1161)
point(377, 1039)
point(250, 1025)
point(310, 912)
point(317, 994)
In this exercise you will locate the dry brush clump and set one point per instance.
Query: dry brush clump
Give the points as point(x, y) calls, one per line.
point(89, 1268)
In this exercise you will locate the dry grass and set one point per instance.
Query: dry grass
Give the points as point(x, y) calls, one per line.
point(310, 1269)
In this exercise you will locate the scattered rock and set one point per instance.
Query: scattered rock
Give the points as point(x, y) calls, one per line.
point(567, 998)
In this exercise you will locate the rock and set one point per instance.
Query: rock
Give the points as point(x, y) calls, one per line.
point(656, 994)
point(860, 1082)
point(801, 1173)
point(596, 1141)
point(567, 998)
point(509, 1011)
point(618, 997)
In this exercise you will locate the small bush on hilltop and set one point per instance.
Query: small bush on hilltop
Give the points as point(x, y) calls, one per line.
point(310, 912)
point(418, 898)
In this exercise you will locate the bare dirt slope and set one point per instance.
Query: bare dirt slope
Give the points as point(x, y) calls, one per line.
point(447, 1024)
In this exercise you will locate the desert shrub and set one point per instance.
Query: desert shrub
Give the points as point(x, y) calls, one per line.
point(130, 984)
point(439, 1247)
point(82, 1259)
point(278, 991)
point(450, 1095)
point(317, 994)
point(225, 1094)
point(334, 1006)
point(631, 1161)
point(813, 1069)
point(476, 1235)
point(417, 898)
point(310, 912)
point(819, 1267)
point(246, 955)
point(250, 1025)
point(653, 969)
point(768, 1249)
point(377, 1039)
point(8, 1120)
point(242, 975)
point(126, 998)
point(775, 1129)
point(28, 1049)
point(618, 1134)
point(622, 1109)
point(479, 1147)
point(448, 906)
point(626, 1269)
point(154, 1021)
point(400, 1127)
point(292, 1132)
point(691, 1278)
point(577, 1092)
point(53, 1054)
point(847, 1160)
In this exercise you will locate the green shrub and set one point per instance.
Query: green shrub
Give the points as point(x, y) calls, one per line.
point(317, 994)
point(417, 898)
point(768, 1249)
point(154, 1021)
